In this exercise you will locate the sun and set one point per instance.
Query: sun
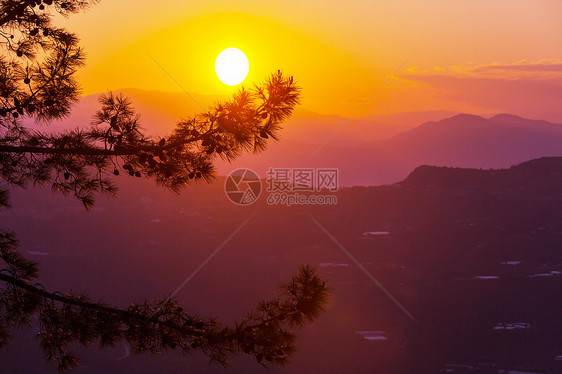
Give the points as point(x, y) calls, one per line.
point(232, 66)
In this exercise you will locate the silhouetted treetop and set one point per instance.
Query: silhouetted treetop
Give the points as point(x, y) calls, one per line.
point(37, 81)
point(38, 62)
point(82, 161)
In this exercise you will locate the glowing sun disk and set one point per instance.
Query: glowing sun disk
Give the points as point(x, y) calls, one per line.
point(232, 66)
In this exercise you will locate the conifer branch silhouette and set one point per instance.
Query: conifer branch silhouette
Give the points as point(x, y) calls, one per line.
point(37, 81)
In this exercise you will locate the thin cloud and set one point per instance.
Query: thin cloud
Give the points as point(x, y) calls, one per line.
point(543, 69)
point(520, 67)
point(529, 97)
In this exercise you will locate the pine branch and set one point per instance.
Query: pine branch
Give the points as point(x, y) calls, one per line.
point(263, 333)
point(93, 151)
point(17, 10)
point(37, 81)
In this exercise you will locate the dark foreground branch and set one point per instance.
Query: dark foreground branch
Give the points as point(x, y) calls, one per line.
point(264, 333)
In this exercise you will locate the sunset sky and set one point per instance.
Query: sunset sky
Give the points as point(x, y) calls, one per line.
point(474, 56)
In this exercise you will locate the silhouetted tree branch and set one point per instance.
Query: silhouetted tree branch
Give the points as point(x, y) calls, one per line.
point(37, 81)
point(64, 319)
point(83, 160)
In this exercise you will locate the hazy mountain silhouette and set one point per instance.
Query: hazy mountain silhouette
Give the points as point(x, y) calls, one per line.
point(313, 128)
point(463, 140)
point(537, 174)
point(510, 119)
point(371, 150)
point(411, 119)
point(160, 111)
point(471, 141)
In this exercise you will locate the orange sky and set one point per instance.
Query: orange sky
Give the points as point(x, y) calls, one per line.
point(467, 54)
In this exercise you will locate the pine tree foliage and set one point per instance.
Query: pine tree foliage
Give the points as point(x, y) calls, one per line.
point(64, 319)
point(38, 62)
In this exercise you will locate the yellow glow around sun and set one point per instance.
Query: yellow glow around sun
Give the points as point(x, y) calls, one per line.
point(232, 66)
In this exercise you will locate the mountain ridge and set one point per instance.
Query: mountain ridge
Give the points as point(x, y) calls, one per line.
point(545, 171)
point(366, 151)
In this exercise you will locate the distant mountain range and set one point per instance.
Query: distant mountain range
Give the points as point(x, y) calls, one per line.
point(462, 141)
point(371, 150)
point(161, 110)
point(535, 175)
